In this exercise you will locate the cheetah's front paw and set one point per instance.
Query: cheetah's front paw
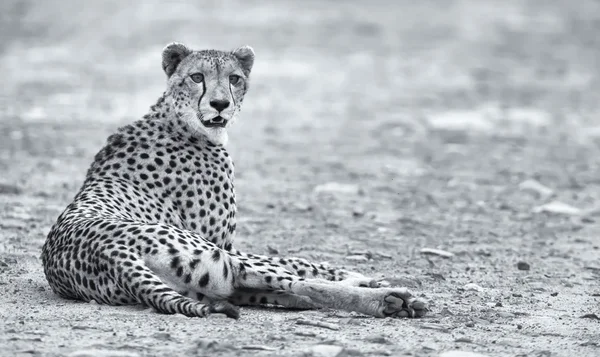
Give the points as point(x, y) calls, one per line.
point(399, 302)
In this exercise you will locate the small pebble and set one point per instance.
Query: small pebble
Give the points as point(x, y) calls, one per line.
point(379, 339)
point(537, 187)
point(554, 294)
point(336, 187)
point(302, 207)
point(358, 212)
point(473, 287)
point(523, 266)
point(558, 207)
point(357, 258)
point(258, 348)
point(590, 316)
point(438, 252)
point(326, 351)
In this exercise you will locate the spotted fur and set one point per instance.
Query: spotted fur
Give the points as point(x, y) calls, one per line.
point(155, 219)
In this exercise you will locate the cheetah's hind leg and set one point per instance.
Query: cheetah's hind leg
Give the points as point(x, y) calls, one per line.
point(143, 284)
point(381, 302)
point(310, 270)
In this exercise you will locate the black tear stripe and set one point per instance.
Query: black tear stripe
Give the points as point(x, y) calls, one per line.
point(202, 95)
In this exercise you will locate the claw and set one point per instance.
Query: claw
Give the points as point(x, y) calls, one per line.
point(420, 313)
point(383, 284)
point(418, 305)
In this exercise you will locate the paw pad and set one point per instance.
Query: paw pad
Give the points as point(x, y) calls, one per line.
point(402, 304)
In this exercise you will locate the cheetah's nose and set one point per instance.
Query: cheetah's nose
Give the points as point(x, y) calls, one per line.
point(219, 105)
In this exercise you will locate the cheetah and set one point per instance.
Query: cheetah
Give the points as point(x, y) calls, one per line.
point(154, 220)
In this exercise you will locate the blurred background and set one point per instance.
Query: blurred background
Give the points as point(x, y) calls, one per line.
point(333, 76)
point(98, 60)
point(370, 126)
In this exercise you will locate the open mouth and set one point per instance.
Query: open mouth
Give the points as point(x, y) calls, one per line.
point(216, 122)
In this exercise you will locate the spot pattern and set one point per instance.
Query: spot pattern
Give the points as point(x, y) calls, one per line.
point(155, 218)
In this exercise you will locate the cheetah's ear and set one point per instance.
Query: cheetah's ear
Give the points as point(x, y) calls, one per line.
point(172, 55)
point(245, 55)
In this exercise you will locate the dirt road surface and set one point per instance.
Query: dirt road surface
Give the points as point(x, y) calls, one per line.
point(372, 130)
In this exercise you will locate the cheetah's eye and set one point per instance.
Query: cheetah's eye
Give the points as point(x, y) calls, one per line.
point(197, 77)
point(234, 79)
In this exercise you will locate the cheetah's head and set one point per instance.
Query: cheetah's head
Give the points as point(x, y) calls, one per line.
point(207, 87)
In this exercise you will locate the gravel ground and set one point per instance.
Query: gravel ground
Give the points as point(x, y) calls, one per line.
point(372, 130)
